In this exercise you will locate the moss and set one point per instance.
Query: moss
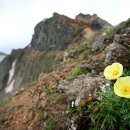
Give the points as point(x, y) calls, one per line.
point(40, 114)
point(47, 61)
point(57, 97)
point(78, 71)
point(5, 100)
point(83, 47)
point(47, 91)
point(109, 33)
point(50, 125)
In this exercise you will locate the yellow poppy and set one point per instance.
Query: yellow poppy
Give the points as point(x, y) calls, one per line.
point(113, 71)
point(122, 87)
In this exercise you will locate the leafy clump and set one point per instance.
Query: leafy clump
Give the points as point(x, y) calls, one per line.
point(109, 33)
point(78, 71)
point(40, 114)
point(48, 91)
point(114, 112)
point(50, 125)
point(111, 110)
point(84, 47)
point(114, 104)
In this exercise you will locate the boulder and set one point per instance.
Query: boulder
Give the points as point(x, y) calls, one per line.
point(97, 45)
point(83, 86)
point(117, 53)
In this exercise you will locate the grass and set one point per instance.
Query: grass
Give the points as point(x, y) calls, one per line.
point(50, 125)
point(110, 113)
point(77, 71)
point(85, 46)
point(40, 114)
point(57, 97)
point(2, 102)
point(47, 91)
point(109, 33)
point(114, 112)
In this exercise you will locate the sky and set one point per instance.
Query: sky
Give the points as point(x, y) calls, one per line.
point(19, 17)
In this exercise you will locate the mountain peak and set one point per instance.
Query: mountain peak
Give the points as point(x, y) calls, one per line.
point(57, 32)
point(93, 20)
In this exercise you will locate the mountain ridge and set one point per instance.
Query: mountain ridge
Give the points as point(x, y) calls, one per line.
point(51, 36)
point(51, 102)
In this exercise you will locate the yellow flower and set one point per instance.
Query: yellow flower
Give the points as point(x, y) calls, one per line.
point(113, 71)
point(122, 87)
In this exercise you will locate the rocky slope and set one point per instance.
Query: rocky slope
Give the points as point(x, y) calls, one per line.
point(51, 37)
point(46, 104)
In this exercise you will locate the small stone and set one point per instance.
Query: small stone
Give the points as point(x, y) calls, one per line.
point(43, 103)
point(95, 110)
point(89, 99)
point(42, 95)
point(82, 103)
point(45, 115)
point(54, 86)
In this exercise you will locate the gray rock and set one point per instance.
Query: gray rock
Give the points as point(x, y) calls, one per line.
point(117, 53)
point(83, 86)
point(96, 46)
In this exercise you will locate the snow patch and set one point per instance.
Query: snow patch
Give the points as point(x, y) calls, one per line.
point(10, 82)
point(11, 72)
point(9, 88)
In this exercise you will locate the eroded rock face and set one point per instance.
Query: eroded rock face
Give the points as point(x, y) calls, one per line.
point(56, 33)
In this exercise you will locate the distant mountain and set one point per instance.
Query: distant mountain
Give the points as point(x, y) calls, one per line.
point(1, 53)
point(2, 56)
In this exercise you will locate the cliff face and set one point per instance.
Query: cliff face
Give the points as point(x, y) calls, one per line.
point(56, 33)
point(51, 36)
